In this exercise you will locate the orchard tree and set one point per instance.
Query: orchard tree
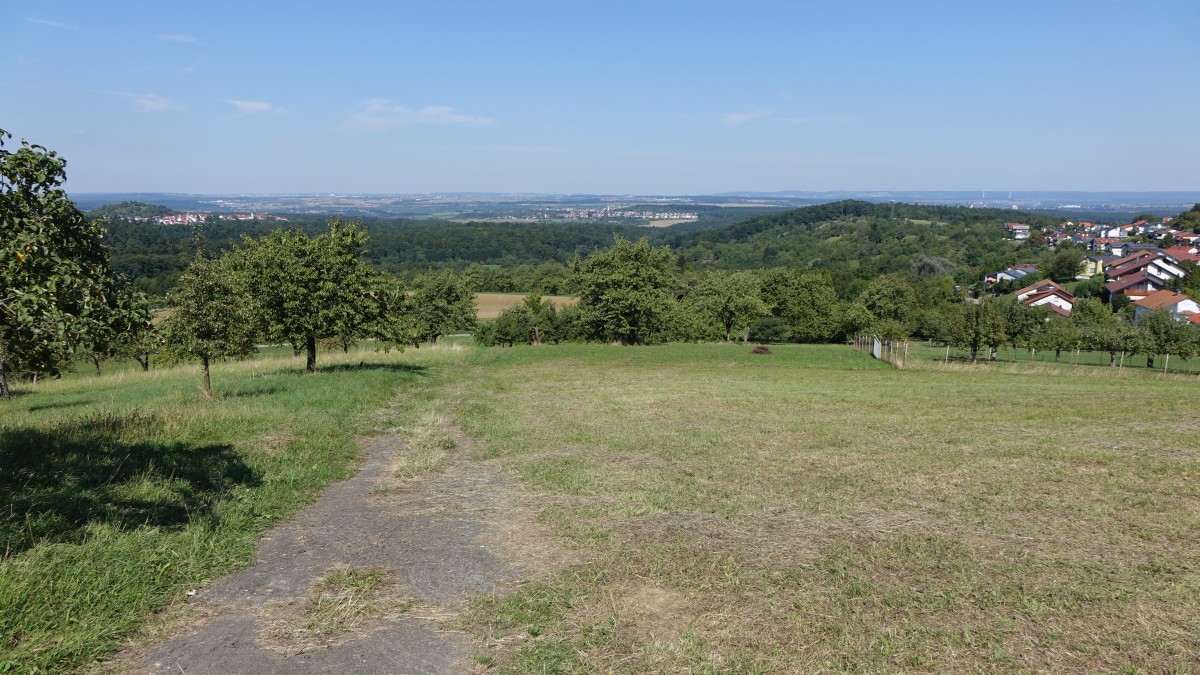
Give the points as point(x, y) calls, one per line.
point(1167, 336)
point(120, 325)
point(1062, 265)
point(730, 299)
point(807, 302)
point(534, 322)
point(975, 326)
point(624, 292)
point(211, 316)
point(441, 303)
point(52, 264)
point(307, 289)
point(890, 299)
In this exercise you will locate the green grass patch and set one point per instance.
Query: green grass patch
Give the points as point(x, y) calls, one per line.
point(120, 493)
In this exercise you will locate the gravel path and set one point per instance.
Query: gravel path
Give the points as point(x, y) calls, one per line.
point(440, 539)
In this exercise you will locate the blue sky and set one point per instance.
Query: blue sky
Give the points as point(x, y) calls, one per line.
point(613, 97)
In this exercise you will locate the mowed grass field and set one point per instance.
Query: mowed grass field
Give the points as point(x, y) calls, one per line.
point(489, 305)
point(811, 509)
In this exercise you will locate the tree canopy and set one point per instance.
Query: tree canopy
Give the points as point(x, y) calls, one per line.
point(53, 268)
point(306, 288)
point(625, 292)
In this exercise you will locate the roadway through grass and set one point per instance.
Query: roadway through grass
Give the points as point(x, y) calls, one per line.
point(812, 509)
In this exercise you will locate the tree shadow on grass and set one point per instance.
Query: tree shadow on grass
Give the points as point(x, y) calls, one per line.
point(56, 481)
point(57, 405)
point(411, 368)
point(248, 393)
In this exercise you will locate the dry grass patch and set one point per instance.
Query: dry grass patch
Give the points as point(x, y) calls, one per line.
point(339, 606)
point(429, 443)
point(966, 518)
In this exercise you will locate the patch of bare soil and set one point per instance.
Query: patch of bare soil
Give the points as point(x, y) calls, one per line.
point(364, 580)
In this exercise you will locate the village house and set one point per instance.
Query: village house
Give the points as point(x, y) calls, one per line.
point(1181, 306)
point(1017, 230)
point(1095, 264)
point(1048, 294)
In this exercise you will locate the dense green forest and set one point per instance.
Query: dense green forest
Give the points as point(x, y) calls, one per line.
point(854, 241)
point(130, 210)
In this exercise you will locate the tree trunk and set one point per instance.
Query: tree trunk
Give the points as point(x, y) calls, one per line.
point(207, 379)
point(310, 363)
point(1150, 361)
point(1166, 362)
point(1057, 354)
point(143, 359)
point(4, 393)
point(1112, 359)
point(96, 362)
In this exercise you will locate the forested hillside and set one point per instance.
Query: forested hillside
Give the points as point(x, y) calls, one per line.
point(855, 241)
point(856, 235)
point(130, 210)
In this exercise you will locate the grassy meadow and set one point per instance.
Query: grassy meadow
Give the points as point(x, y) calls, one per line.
point(809, 509)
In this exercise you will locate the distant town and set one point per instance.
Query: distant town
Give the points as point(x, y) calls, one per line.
point(202, 217)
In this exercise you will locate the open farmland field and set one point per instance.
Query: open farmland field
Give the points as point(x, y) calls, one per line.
point(489, 305)
point(719, 511)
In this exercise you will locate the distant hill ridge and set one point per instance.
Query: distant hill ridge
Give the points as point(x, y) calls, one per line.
point(131, 210)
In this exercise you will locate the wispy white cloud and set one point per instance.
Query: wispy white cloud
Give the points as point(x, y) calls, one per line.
point(152, 102)
point(56, 24)
point(736, 119)
point(800, 121)
point(380, 115)
point(253, 107)
point(177, 37)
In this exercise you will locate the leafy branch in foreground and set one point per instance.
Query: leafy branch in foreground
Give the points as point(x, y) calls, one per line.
point(52, 265)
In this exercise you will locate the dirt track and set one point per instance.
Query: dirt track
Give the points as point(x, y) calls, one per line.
point(437, 539)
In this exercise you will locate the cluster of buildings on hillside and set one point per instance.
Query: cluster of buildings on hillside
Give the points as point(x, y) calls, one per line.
point(1148, 278)
point(610, 212)
point(1059, 300)
point(190, 218)
point(1143, 261)
point(1102, 236)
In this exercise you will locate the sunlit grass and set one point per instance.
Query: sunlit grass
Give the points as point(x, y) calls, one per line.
point(121, 492)
point(812, 509)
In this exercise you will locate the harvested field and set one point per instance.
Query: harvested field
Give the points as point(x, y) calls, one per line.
point(489, 305)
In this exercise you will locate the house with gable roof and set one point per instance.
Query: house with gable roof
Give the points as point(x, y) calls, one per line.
point(1048, 294)
point(1181, 305)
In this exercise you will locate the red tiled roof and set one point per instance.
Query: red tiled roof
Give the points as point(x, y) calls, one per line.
point(1038, 296)
point(1131, 257)
point(1160, 299)
point(1044, 283)
point(1118, 271)
point(1119, 285)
